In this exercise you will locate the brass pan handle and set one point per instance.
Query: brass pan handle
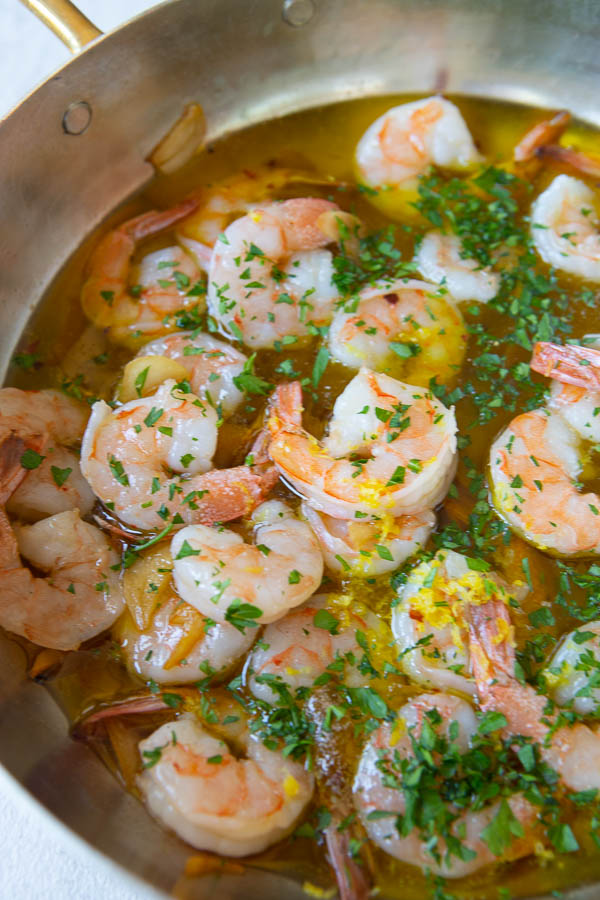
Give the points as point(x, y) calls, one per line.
point(66, 21)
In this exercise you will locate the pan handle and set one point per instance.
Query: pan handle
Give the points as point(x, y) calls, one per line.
point(66, 21)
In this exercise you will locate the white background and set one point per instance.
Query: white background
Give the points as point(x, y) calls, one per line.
point(34, 864)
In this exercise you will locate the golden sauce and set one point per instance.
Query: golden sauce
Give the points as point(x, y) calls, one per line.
point(321, 140)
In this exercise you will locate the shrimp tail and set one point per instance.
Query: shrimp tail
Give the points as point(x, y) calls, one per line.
point(352, 879)
point(540, 135)
point(568, 364)
point(12, 471)
point(581, 162)
point(490, 640)
point(155, 221)
point(236, 492)
point(285, 408)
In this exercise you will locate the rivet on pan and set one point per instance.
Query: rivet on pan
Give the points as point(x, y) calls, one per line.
point(77, 117)
point(298, 12)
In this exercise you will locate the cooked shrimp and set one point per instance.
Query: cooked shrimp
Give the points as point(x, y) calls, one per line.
point(162, 287)
point(52, 414)
point(543, 133)
point(270, 275)
point(231, 197)
point(165, 639)
point(212, 365)
point(217, 801)
point(80, 595)
point(217, 572)
point(564, 227)
point(56, 485)
point(180, 645)
point(535, 462)
point(573, 752)
point(369, 548)
point(129, 455)
point(53, 482)
point(404, 328)
point(429, 621)
point(439, 258)
point(402, 143)
point(572, 674)
point(381, 795)
point(390, 449)
point(298, 648)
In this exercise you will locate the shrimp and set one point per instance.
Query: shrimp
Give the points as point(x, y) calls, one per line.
point(162, 637)
point(48, 413)
point(80, 595)
point(299, 647)
point(52, 481)
point(382, 795)
point(227, 579)
point(402, 143)
point(564, 227)
point(543, 133)
point(404, 328)
point(270, 275)
point(213, 365)
point(429, 623)
point(129, 455)
point(369, 548)
point(223, 201)
point(572, 751)
point(217, 801)
point(535, 462)
point(164, 286)
point(571, 676)
point(180, 645)
point(439, 258)
point(390, 449)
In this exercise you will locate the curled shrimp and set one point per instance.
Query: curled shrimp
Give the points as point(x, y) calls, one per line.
point(163, 638)
point(227, 579)
point(52, 481)
point(406, 140)
point(164, 280)
point(536, 461)
point(571, 674)
point(381, 795)
point(572, 751)
point(270, 275)
point(212, 365)
point(129, 455)
point(390, 449)
point(543, 133)
point(404, 328)
point(216, 800)
point(221, 202)
point(298, 648)
point(564, 227)
point(429, 624)
point(439, 258)
point(79, 595)
point(369, 548)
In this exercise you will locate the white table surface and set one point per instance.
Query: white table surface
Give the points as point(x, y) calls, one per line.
point(34, 864)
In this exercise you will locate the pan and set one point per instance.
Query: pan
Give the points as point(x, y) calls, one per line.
point(80, 144)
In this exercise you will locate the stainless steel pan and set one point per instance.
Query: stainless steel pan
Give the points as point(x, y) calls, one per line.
point(78, 146)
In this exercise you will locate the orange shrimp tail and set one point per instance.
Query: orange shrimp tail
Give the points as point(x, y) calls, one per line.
point(155, 221)
point(232, 493)
point(285, 408)
point(12, 472)
point(581, 162)
point(352, 879)
point(568, 364)
point(543, 133)
point(490, 632)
